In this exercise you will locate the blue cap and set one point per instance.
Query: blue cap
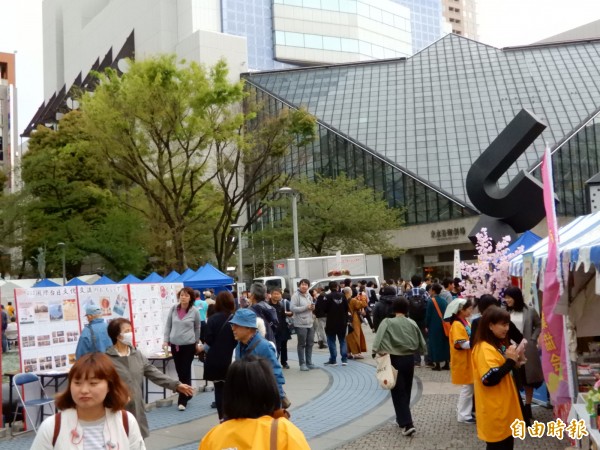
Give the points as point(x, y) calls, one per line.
point(92, 310)
point(244, 318)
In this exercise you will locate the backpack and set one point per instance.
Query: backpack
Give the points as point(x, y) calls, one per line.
point(417, 305)
point(57, 420)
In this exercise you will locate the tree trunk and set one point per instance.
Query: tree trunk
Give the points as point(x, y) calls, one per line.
point(179, 247)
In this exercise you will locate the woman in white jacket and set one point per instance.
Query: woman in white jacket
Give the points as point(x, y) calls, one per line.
point(302, 308)
point(92, 411)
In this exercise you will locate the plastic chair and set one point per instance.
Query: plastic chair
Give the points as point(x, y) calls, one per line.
point(19, 381)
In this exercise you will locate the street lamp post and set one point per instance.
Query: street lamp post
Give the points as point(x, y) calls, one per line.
point(289, 190)
point(239, 229)
point(64, 270)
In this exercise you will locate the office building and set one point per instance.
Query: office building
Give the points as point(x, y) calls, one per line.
point(412, 128)
point(461, 16)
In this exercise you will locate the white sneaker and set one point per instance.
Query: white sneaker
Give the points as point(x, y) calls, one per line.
point(181, 408)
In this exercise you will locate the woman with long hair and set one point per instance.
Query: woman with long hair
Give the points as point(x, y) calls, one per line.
point(496, 397)
point(251, 406)
point(92, 414)
point(182, 333)
point(529, 376)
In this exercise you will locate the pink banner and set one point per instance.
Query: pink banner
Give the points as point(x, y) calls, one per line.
point(552, 342)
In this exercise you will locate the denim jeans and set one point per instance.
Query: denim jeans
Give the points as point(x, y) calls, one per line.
point(332, 350)
point(306, 337)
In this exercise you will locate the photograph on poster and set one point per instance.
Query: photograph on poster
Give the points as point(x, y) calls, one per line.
point(25, 312)
point(70, 309)
point(60, 361)
point(30, 365)
point(41, 312)
point(105, 305)
point(58, 337)
point(56, 310)
point(120, 305)
point(28, 341)
point(43, 340)
point(72, 336)
point(45, 362)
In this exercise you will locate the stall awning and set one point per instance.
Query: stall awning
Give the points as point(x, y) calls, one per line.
point(579, 244)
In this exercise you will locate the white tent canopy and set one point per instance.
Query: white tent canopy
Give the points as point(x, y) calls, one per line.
point(579, 244)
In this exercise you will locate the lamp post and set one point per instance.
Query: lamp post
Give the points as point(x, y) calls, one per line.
point(64, 270)
point(289, 190)
point(239, 229)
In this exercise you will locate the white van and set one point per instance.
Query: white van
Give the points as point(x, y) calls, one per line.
point(324, 282)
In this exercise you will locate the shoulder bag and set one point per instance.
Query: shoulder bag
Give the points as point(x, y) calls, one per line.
point(445, 324)
point(386, 373)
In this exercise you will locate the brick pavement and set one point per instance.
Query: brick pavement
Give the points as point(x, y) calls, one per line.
point(434, 415)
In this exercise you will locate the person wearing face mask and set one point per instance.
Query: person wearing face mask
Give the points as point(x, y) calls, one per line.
point(132, 366)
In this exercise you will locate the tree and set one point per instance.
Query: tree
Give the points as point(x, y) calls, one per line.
point(180, 135)
point(67, 198)
point(490, 274)
point(333, 214)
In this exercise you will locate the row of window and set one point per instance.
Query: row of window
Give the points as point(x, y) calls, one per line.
point(337, 44)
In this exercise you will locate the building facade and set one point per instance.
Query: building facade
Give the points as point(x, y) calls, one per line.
point(461, 17)
point(426, 21)
point(9, 143)
point(412, 128)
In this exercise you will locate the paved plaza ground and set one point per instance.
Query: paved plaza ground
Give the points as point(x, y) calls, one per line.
point(338, 408)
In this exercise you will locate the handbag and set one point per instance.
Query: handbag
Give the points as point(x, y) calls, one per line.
point(386, 373)
point(445, 324)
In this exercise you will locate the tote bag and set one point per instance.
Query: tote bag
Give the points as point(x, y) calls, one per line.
point(386, 374)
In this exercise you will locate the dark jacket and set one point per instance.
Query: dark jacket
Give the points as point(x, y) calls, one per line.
point(219, 338)
point(269, 315)
point(336, 311)
point(320, 306)
point(382, 309)
point(283, 331)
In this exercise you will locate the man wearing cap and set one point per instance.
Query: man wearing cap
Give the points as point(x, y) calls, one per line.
point(250, 342)
point(94, 337)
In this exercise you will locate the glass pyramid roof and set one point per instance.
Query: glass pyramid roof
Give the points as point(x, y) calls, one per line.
point(434, 113)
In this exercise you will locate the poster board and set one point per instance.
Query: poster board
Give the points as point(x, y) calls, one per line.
point(113, 300)
point(150, 304)
point(49, 326)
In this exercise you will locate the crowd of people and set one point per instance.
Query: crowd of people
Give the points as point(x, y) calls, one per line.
point(243, 345)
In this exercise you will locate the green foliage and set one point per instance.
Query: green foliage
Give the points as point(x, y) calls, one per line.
point(333, 214)
point(67, 198)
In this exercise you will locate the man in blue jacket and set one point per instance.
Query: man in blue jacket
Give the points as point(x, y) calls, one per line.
point(250, 342)
point(94, 336)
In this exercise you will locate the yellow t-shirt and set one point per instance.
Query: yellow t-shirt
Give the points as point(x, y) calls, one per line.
point(248, 434)
point(497, 406)
point(460, 359)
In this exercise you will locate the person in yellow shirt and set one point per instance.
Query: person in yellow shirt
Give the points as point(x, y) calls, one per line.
point(250, 402)
point(496, 398)
point(459, 311)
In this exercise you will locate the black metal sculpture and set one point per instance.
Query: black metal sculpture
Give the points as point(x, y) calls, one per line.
point(519, 206)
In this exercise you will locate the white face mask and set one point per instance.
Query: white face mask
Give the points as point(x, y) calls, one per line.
point(127, 338)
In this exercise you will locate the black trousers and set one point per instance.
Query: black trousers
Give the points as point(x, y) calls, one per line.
point(405, 366)
point(219, 387)
point(506, 444)
point(183, 359)
point(282, 351)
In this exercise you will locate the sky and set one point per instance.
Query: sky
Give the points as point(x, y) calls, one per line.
point(502, 23)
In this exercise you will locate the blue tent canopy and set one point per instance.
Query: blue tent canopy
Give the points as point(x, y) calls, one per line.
point(45, 283)
point(152, 278)
point(76, 282)
point(104, 280)
point(189, 273)
point(527, 240)
point(171, 277)
point(208, 276)
point(129, 279)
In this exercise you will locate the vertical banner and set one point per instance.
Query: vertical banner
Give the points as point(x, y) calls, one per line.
point(48, 324)
point(552, 341)
point(456, 270)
